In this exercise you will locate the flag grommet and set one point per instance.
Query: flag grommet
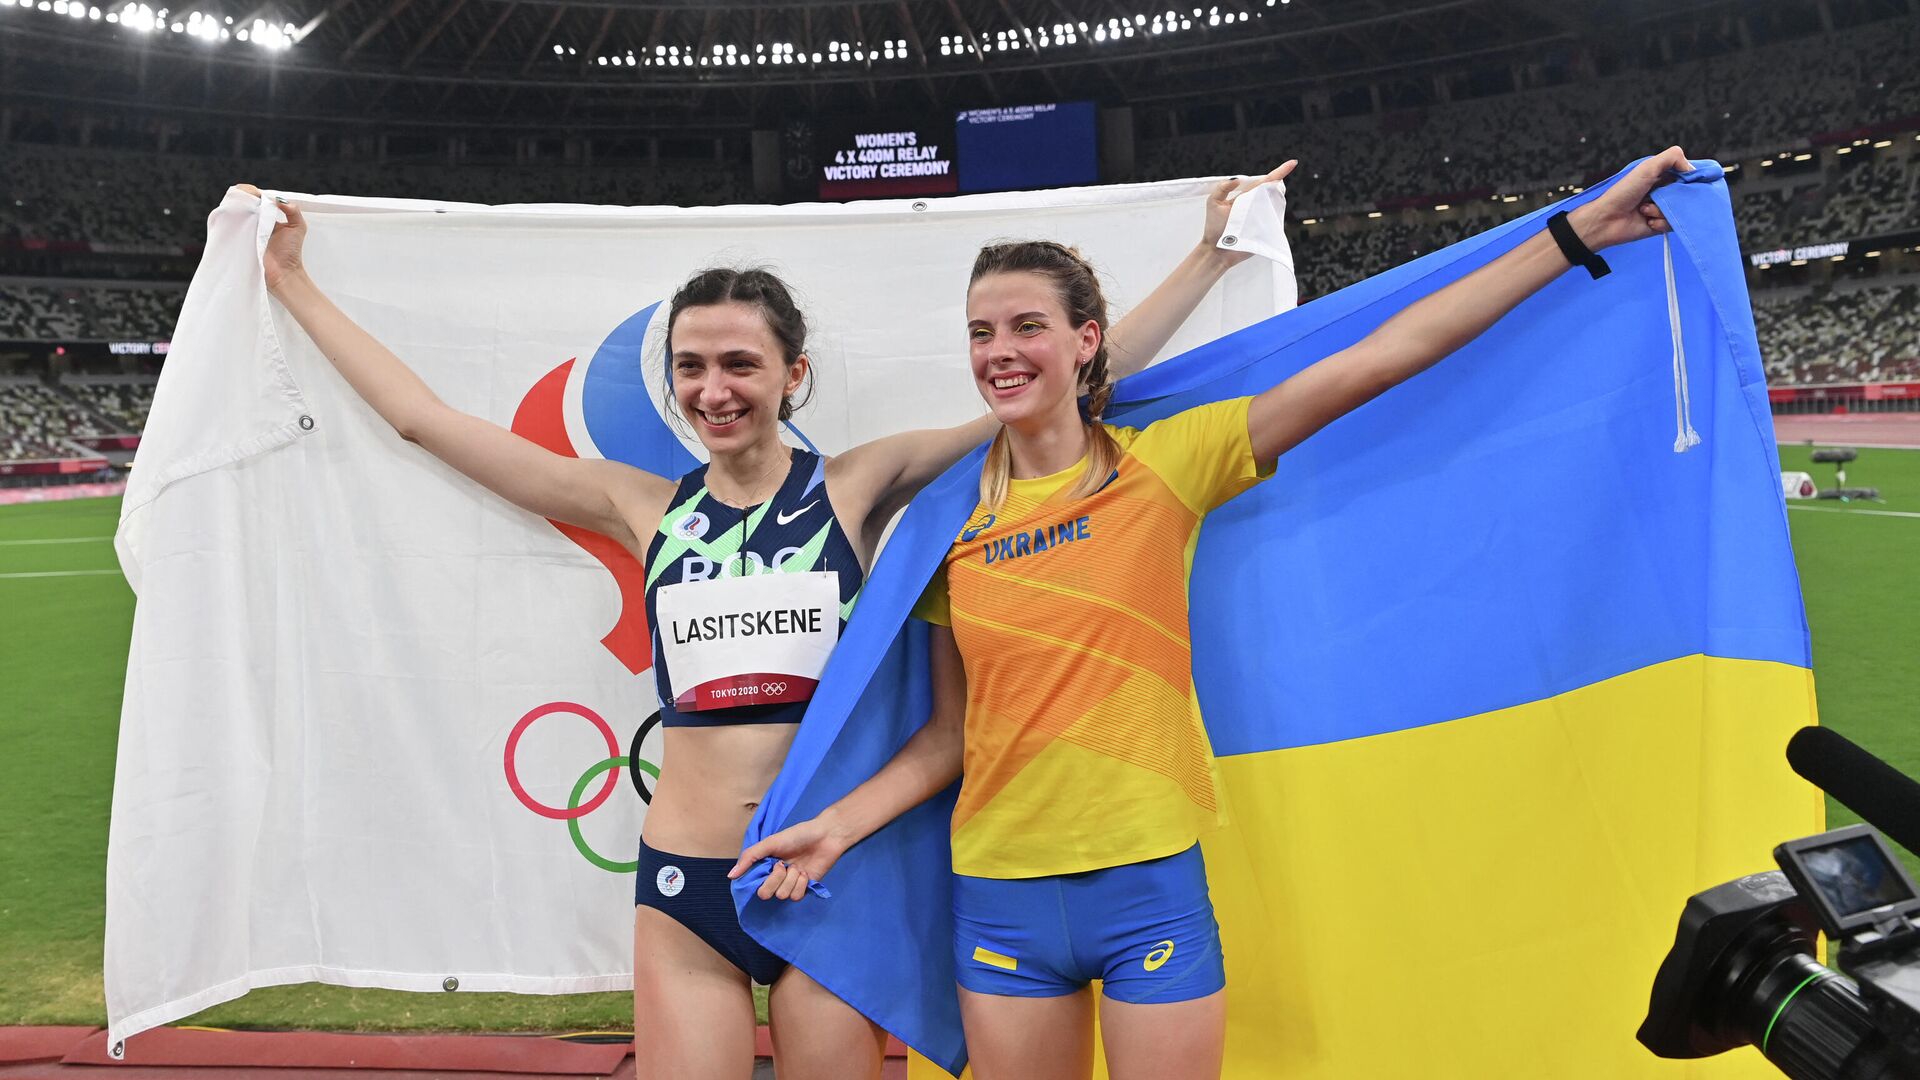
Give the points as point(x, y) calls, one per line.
point(449, 983)
point(306, 423)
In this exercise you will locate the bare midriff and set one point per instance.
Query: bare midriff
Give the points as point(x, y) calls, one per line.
point(712, 779)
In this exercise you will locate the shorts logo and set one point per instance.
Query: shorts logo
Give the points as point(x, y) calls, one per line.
point(691, 527)
point(1161, 953)
point(984, 955)
point(975, 528)
point(670, 881)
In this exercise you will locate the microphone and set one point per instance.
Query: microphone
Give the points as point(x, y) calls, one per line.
point(1883, 796)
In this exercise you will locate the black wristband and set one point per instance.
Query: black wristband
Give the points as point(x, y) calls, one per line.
point(1576, 252)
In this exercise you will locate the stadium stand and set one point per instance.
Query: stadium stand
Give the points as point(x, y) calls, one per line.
point(109, 406)
point(1730, 107)
point(36, 421)
point(71, 312)
point(74, 194)
point(1823, 131)
point(1332, 257)
point(1858, 332)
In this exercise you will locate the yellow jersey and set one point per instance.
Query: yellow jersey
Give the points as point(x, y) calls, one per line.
point(1084, 743)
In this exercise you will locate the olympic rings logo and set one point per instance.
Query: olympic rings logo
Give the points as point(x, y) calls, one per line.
point(638, 771)
point(771, 688)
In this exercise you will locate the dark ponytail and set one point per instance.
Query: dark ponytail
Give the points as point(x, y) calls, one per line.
point(765, 291)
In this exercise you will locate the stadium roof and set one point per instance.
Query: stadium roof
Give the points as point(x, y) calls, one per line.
point(664, 65)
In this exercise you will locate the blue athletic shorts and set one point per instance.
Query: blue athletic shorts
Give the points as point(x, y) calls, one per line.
point(1146, 930)
point(697, 894)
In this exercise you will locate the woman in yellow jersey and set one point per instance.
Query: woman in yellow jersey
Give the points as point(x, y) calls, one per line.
point(736, 345)
point(1061, 658)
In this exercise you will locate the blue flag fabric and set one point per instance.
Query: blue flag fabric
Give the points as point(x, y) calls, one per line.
point(1513, 526)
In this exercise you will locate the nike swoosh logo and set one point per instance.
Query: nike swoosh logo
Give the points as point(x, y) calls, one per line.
point(783, 519)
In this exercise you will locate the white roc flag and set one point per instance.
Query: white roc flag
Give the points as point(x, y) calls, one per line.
point(374, 715)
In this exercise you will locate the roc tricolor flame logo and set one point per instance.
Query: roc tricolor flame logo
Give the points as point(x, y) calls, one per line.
point(606, 412)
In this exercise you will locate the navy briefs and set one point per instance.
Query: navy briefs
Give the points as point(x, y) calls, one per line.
point(697, 894)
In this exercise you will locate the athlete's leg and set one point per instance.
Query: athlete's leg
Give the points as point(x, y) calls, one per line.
point(1179, 1040)
point(692, 1009)
point(816, 1036)
point(1163, 1007)
point(1029, 1038)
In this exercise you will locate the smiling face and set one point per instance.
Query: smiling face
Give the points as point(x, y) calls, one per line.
point(1026, 353)
point(730, 374)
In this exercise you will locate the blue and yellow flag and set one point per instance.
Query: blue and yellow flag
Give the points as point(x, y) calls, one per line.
point(1500, 669)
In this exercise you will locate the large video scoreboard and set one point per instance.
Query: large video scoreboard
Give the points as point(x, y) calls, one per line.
point(1011, 148)
point(1027, 146)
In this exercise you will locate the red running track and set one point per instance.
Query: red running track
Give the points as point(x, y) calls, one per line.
point(1892, 430)
point(68, 1053)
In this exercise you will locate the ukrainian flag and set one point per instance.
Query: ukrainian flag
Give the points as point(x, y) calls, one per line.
point(1500, 669)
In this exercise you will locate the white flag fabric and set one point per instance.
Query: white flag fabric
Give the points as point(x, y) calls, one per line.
point(372, 711)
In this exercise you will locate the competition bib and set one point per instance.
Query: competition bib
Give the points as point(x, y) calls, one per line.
point(761, 639)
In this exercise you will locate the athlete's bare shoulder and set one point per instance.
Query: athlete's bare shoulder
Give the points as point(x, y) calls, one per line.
point(640, 498)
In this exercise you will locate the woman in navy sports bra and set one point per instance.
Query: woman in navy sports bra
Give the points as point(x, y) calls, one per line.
point(754, 561)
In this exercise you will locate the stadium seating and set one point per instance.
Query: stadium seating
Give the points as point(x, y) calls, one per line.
point(110, 406)
point(1865, 333)
point(69, 312)
point(35, 421)
point(1731, 107)
point(69, 194)
point(1328, 258)
point(38, 418)
point(1369, 196)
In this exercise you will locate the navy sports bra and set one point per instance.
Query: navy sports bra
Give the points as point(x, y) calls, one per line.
point(702, 538)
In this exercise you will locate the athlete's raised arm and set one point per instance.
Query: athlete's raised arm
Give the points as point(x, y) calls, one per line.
point(1438, 324)
point(921, 769)
point(600, 495)
point(1138, 337)
point(883, 475)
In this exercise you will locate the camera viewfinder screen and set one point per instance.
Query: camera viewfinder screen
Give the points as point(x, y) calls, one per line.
point(1854, 876)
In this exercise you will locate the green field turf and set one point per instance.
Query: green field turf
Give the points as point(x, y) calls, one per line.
point(63, 643)
point(1858, 575)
